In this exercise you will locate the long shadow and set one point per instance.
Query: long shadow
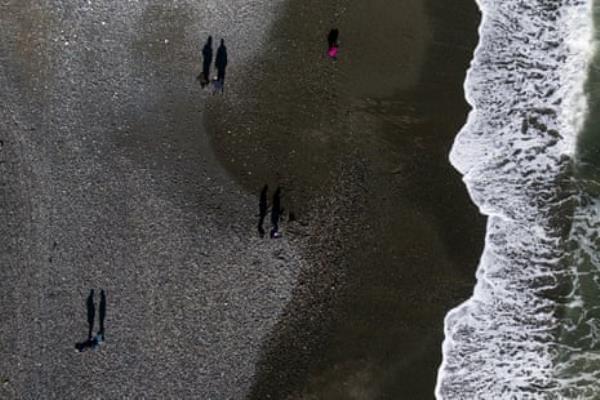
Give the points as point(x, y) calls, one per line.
point(207, 56)
point(262, 210)
point(91, 316)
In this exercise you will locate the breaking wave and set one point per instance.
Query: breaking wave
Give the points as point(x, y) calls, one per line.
point(517, 153)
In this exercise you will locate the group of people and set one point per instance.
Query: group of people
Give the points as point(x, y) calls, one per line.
point(220, 64)
point(93, 342)
point(218, 82)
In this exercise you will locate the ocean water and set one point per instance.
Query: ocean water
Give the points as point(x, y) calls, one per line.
point(529, 156)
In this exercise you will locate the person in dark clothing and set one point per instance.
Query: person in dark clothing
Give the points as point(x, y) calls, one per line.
point(221, 64)
point(276, 212)
point(332, 38)
point(91, 313)
point(262, 210)
point(207, 56)
point(102, 309)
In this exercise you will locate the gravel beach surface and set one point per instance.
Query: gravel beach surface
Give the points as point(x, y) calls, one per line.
point(119, 173)
point(108, 181)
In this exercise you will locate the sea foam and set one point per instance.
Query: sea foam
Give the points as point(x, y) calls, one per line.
point(526, 89)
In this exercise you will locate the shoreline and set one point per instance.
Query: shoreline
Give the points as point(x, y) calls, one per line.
point(533, 131)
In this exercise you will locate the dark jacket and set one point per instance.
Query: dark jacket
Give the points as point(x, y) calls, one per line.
point(332, 38)
point(221, 60)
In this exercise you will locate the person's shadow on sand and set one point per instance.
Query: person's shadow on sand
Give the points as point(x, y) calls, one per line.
point(262, 210)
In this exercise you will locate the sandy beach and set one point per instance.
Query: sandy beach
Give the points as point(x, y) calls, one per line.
point(120, 173)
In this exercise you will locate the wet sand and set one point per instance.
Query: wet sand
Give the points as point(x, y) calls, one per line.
point(361, 148)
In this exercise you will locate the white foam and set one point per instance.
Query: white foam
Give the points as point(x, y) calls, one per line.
point(525, 86)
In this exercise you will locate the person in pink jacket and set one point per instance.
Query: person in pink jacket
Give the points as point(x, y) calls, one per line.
point(332, 42)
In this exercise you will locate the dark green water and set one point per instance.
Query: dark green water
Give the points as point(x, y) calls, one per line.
point(578, 360)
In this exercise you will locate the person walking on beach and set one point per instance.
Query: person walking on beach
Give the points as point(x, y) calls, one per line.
point(276, 212)
point(221, 65)
point(91, 313)
point(207, 57)
point(332, 43)
point(102, 309)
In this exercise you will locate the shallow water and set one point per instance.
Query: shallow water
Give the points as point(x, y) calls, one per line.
point(518, 155)
point(578, 359)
